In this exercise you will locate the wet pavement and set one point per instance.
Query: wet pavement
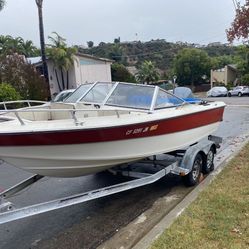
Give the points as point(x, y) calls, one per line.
point(88, 225)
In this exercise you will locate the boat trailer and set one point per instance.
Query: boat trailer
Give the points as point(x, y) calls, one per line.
point(189, 163)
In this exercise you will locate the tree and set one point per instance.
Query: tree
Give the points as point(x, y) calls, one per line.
point(245, 79)
point(29, 49)
point(10, 45)
point(242, 62)
point(90, 44)
point(240, 26)
point(147, 73)
point(117, 40)
point(2, 3)
point(221, 61)
point(116, 52)
point(62, 57)
point(120, 73)
point(42, 40)
point(16, 71)
point(102, 44)
point(190, 65)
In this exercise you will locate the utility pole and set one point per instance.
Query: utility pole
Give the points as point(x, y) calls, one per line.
point(42, 40)
point(2, 3)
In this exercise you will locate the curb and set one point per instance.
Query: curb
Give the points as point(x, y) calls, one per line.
point(165, 223)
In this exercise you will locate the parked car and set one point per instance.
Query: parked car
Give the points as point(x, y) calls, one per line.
point(239, 91)
point(63, 95)
point(186, 94)
point(217, 91)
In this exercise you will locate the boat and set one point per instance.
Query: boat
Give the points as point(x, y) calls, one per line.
point(101, 125)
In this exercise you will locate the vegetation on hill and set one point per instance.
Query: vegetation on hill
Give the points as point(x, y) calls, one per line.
point(160, 52)
point(163, 55)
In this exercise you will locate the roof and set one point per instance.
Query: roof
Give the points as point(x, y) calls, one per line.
point(232, 66)
point(94, 57)
point(34, 60)
point(38, 59)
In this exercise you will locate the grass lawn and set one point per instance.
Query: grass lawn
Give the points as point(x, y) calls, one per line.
point(219, 218)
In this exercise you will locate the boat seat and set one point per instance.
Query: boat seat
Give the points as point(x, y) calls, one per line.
point(86, 114)
point(61, 115)
point(33, 116)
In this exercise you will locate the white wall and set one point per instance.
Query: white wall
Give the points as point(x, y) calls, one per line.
point(89, 70)
point(84, 70)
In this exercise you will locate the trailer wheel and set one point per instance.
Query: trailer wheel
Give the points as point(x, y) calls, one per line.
point(193, 177)
point(208, 166)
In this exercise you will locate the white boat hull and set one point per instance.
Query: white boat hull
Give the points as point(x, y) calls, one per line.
point(81, 159)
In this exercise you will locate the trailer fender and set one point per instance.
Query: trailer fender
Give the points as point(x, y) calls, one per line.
point(202, 148)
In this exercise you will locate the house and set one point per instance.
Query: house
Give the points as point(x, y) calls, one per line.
point(225, 75)
point(86, 68)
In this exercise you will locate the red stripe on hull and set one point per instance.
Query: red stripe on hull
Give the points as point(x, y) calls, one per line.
point(158, 127)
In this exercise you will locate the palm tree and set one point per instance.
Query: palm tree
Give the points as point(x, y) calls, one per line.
point(42, 40)
point(2, 3)
point(15, 45)
point(3, 43)
point(29, 49)
point(10, 45)
point(147, 73)
point(62, 57)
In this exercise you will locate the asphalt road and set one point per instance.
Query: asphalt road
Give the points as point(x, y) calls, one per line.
point(88, 225)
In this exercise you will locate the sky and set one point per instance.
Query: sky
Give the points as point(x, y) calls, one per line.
point(79, 21)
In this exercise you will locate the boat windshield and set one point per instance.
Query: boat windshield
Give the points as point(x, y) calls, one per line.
point(165, 99)
point(127, 95)
point(131, 96)
point(141, 97)
point(98, 92)
point(78, 93)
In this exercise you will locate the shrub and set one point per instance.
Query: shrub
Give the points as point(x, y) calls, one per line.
point(8, 93)
point(245, 79)
point(120, 73)
point(23, 76)
point(230, 85)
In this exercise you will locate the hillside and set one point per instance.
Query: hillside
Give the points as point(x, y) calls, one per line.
point(158, 51)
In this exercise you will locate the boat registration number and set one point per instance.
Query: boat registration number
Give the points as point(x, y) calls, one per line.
point(142, 130)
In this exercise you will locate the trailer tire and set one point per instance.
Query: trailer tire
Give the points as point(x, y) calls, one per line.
point(193, 177)
point(208, 166)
